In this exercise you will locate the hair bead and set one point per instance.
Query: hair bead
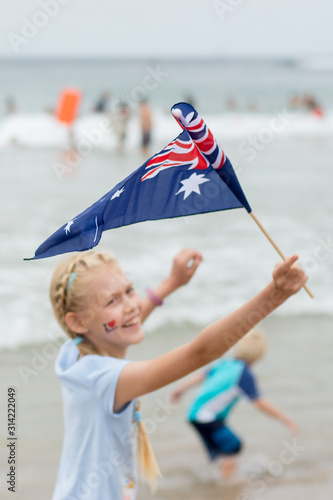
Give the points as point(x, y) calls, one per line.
point(71, 278)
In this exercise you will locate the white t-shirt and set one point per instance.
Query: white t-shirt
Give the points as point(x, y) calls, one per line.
point(98, 455)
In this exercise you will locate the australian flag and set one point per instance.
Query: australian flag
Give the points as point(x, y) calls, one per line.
point(191, 175)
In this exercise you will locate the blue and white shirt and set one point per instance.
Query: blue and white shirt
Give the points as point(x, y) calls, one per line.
point(98, 455)
point(225, 383)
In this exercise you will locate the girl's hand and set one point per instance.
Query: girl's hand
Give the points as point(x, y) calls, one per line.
point(185, 263)
point(288, 276)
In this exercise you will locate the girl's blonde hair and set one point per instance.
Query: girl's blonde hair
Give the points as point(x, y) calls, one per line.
point(251, 347)
point(69, 285)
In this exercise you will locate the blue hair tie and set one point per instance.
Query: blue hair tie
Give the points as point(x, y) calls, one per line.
point(71, 278)
point(138, 416)
point(77, 340)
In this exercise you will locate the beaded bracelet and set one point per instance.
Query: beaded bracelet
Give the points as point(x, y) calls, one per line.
point(157, 301)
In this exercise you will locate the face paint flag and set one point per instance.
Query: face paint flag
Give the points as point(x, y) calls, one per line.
point(191, 175)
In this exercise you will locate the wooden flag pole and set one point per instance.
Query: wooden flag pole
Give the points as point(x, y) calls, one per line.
point(275, 246)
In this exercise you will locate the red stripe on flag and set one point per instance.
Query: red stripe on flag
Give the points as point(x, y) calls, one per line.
point(194, 128)
point(206, 144)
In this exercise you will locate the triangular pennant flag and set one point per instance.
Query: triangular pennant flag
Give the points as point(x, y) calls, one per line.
point(191, 175)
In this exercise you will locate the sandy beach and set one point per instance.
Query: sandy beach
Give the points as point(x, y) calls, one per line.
point(295, 375)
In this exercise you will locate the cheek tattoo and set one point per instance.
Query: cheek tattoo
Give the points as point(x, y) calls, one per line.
point(109, 327)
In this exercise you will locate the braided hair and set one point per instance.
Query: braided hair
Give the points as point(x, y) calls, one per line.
point(68, 289)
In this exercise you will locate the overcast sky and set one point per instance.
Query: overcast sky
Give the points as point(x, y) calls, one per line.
point(143, 28)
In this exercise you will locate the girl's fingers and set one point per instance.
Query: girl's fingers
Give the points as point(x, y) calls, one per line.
point(188, 257)
point(286, 267)
point(193, 264)
point(185, 263)
point(289, 275)
point(286, 264)
point(192, 255)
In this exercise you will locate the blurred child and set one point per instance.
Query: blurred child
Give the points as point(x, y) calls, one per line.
point(223, 384)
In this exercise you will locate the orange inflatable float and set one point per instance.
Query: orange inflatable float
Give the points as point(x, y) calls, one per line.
point(68, 106)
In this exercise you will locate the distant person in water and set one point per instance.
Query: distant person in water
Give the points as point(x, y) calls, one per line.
point(295, 101)
point(10, 106)
point(230, 104)
point(307, 101)
point(222, 384)
point(121, 120)
point(311, 103)
point(252, 106)
point(102, 103)
point(145, 118)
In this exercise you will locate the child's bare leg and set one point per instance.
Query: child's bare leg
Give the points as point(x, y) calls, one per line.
point(228, 466)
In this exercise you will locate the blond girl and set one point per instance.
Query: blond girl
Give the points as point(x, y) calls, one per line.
point(98, 308)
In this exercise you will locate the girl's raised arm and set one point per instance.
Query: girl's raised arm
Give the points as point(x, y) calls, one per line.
point(142, 377)
point(184, 265)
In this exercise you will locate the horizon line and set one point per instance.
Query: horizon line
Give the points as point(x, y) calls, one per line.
point(127, 58)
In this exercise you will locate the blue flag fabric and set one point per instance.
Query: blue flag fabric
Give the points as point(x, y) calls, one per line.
point(190, 120)
point(191, 175)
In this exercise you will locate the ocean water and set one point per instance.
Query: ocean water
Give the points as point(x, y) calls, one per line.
point(282, 156)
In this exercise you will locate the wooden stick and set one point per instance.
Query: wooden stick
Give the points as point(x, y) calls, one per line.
point(275, 246)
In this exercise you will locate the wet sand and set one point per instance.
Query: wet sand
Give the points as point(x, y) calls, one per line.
point(296, 375)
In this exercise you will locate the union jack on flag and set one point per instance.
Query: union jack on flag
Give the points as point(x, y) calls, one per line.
point(191, 175)
point(180, 152)
point(177, 154)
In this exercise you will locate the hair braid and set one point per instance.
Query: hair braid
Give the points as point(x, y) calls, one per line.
point(149, 465)
point(58, 292)
point(62, 295)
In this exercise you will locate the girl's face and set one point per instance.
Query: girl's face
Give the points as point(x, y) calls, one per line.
point(113, 312)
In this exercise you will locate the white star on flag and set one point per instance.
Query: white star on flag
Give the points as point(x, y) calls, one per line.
point(117, 193)
point(67, 228)
point(191, 185)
